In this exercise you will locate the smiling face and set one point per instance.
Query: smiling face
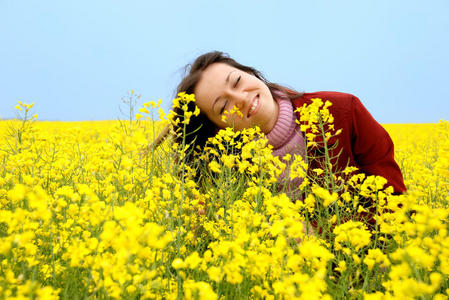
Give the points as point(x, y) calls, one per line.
point(223, 87)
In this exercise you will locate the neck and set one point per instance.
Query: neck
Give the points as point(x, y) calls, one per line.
point(285, 136)
point(274, 120)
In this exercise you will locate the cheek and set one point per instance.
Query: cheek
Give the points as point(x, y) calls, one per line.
point(201, 105)
point(219, 124)
point(234, 121)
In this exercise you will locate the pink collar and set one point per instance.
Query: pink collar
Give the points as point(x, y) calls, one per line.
point(286, 137)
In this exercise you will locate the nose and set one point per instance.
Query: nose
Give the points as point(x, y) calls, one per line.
point(240, 100)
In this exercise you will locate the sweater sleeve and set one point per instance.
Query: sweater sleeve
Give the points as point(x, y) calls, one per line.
point(373, 148)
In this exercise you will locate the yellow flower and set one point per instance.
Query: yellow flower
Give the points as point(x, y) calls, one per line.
point(352, 233)
point(215, 167)
point(228, 160)
point(215, 274)
point(144, 110)
point(318, 171)
point(341, 266)
point(193, 260)
point(178, 263)
point(17, 194)
point(325, 195)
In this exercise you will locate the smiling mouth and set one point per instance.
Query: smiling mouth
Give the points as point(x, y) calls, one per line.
point(254, 105)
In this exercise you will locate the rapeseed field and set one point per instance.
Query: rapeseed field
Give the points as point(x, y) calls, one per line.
point(92, 210)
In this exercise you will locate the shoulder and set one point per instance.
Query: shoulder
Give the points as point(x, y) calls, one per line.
point(342, 103)
point(338, 97)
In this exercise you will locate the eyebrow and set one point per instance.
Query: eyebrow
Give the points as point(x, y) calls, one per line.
point(226, 82)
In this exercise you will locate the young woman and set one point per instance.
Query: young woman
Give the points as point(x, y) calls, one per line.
point(220, 84)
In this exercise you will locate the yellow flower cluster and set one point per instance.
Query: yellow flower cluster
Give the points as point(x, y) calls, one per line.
point(316, 120)
point(182, 101)
point(85, 213)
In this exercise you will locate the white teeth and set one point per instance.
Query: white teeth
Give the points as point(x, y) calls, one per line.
point(253, 107)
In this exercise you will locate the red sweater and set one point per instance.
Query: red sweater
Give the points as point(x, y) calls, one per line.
point(363, 142)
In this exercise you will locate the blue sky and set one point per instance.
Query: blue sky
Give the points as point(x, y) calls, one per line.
point(77, 59)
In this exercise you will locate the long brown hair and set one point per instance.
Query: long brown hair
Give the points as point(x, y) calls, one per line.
point(200, 128)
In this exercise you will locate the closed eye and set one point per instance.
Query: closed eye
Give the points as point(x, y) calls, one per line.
point(237, 81)
point(223, 108)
